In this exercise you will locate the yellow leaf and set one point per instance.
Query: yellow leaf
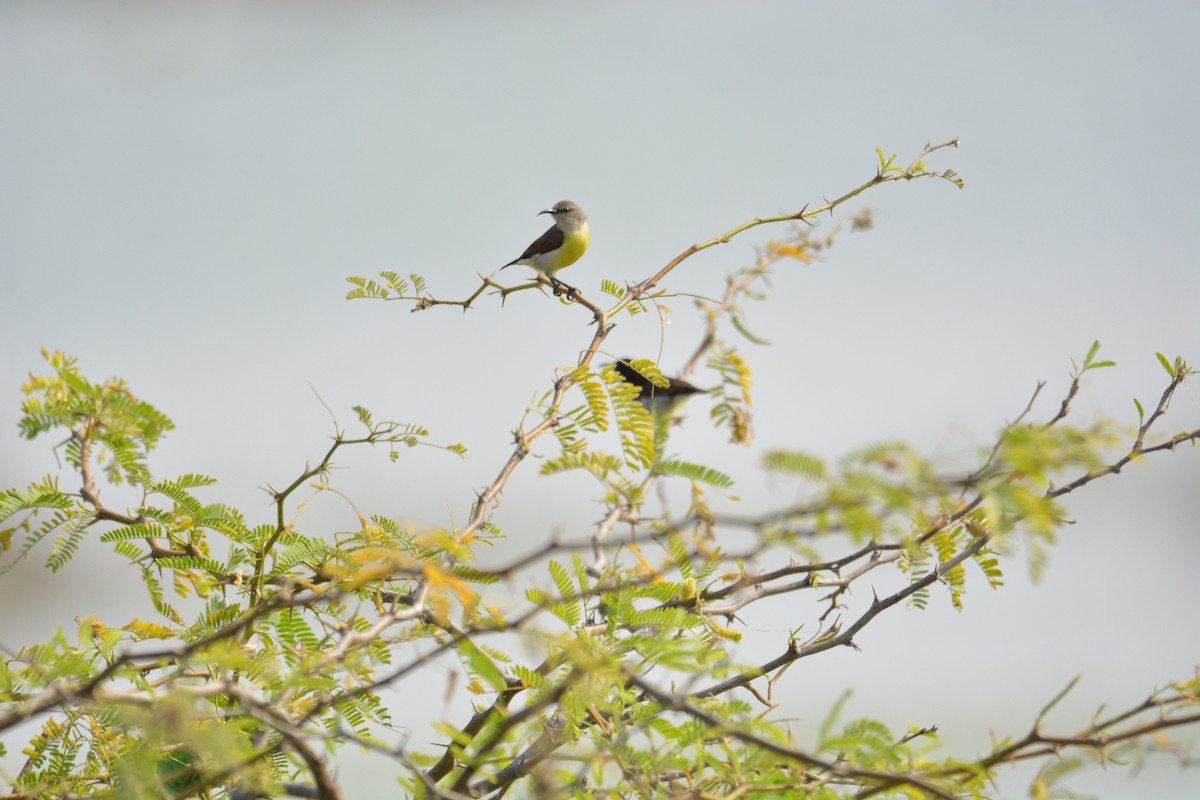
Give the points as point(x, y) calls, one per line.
point(149, 630)
point(790, 250)
point(441, 608)
point(444, 582)
point(637, 552)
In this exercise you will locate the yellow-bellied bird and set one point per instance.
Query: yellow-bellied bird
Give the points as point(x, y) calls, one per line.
point(559, 247)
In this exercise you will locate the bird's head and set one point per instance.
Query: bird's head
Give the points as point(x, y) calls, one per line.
point(567, 215)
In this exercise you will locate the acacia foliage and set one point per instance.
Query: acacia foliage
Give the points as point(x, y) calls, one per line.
point(265, 643)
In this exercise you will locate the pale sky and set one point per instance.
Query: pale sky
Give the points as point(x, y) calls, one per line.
point(184, 188)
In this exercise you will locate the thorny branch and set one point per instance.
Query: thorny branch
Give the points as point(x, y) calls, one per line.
point(762, 585)
point(489, 728)
point(739, 593)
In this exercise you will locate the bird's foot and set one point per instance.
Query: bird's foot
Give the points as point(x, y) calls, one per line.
point(561, 289)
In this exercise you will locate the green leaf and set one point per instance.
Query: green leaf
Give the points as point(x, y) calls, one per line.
point(634, 422)
point(184, 500)
point(597, 463)
point(191, 481)
point(650, 371)
point(733, 407)
point(468, 573)
point(744, 331)
point(694, 472)
point(597, 400)
point(480, 663)
point(1141, 411)
point(142, 530)
point(987, 561)
point(292, 628)
point(39, 495)
point(796, 463)
point(581, 574)
point(860, 522)
point(66, 545)
point(824, 734)
point(530, 678)
point(679, 554)
point(1087, 360)
point(394, 281)
point(885, 162)
point(610, 287)
point(364, 416)
point(191, 562)
point(542, 598)
point(572, 611)
point(1166, 364)
point(130, 551)
point(302, 549)
point(179, 769)
point(366, 289)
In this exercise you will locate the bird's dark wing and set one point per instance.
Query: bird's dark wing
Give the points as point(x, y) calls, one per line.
point(550, 240)
point(677, 386)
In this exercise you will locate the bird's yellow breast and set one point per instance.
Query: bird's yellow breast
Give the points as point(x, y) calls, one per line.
point(575, 243)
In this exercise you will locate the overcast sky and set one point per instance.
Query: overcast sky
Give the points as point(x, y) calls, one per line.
point(185, 186)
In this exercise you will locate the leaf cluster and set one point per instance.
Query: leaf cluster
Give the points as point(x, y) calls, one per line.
point(603, 665)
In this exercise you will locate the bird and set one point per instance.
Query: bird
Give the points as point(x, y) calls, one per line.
point(658, 400)
point(559, 247)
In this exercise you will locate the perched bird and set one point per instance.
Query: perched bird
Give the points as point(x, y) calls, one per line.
point(559, 247)
point(657, 399)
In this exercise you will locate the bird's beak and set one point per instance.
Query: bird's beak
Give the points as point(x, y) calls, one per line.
point(549, 211)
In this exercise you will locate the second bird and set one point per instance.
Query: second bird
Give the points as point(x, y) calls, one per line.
point(559, 247)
